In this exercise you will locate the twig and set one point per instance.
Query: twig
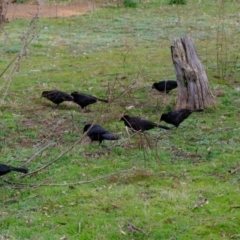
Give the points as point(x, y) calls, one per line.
point(8, 65)
point(13, 199)
point(135, 229)
point(60, 156)
point(30, 197)
point(22, 52)
point(79, 227)
point(234, 207)
point(35, 154)
point(74, 183)
point(235, 236)
point(51, 132)
point(23, 184)
point(200, 203)
point(234, 170)
point(90, 180)
point(129, 87)
point(122, 143)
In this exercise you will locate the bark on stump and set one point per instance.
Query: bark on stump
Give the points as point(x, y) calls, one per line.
point(193, 88)
point(3, 7)
point(1, 11)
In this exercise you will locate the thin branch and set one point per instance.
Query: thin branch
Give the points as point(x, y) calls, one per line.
point(19, 54)
point(90, 180)
point(129, 87)
point(234, 170)
point(15, 199)
point(22, 52)
point(135, 229)
point(234, 207)
point(38, 152)
point(8, 66)
point(74, 183)
point(59, 157)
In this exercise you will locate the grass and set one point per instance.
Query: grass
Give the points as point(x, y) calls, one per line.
point(151, 181)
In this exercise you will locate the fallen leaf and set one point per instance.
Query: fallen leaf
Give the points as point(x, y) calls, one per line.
point(200, 203)
point(223, 234)
point(134, 229)
point(235, 236)
point(115, 205)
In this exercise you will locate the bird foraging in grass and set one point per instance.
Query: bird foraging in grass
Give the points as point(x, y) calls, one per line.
point(176, 117)
point(56, 96)
point(4, 169)
point(98, 133)
point(138, 124)
point(165, 86)
point(84, 100)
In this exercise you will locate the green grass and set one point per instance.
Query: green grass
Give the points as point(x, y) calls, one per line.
point(151, 180)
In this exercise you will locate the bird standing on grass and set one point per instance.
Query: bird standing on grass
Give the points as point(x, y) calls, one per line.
point(138, 124)
point(98, 133)
point(177, 116)
point(84, 100)
point(56, 96)
point(4, 169)
point(165, 86)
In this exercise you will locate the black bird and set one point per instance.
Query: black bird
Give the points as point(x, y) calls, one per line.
point(56, 96)
point(138, 124)
point(4, 169)
point(84, 100)
point(98, 133)
point(177, 116)
point(165, 86)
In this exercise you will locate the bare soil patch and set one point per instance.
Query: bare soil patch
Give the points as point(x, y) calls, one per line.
point(26, 11)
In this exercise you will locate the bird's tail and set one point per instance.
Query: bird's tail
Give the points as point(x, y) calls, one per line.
point(198, 110)
point(163, 127)
point(109, 136)
point(102, 100)
point(23, 170)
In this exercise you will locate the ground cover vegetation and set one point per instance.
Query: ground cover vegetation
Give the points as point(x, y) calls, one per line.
point(160, 184)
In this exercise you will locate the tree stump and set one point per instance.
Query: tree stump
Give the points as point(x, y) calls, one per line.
point(3, 9)
point(193, 88)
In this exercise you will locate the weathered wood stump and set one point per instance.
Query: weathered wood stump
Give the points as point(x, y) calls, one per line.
point(3, 7)
point(193, 88)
